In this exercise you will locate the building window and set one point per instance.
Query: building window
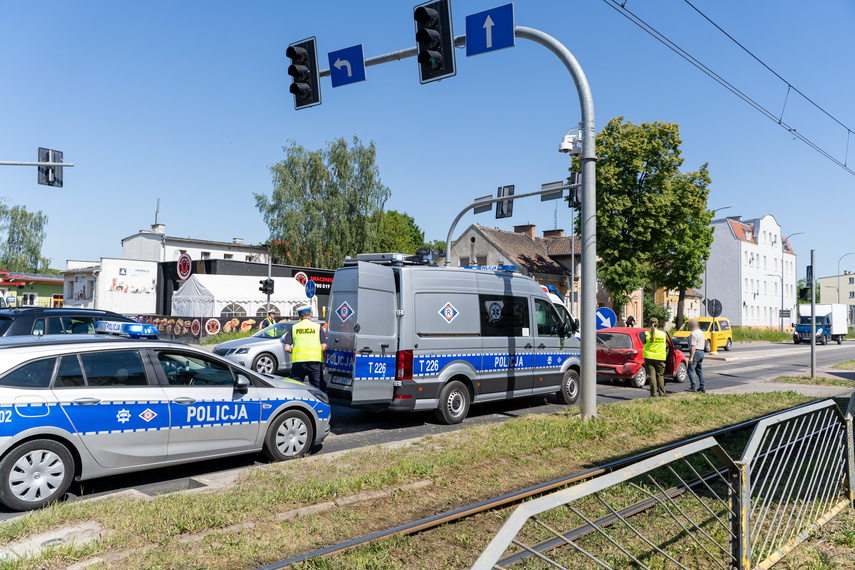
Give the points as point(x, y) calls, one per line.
point(228, 256)
point(29, 299)
point(463, 261)
point(206, 255)
point(233, 310)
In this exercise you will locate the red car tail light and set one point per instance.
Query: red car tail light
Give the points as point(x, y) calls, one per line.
point(404, 365)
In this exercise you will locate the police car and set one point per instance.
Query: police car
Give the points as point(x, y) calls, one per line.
point(80, 407)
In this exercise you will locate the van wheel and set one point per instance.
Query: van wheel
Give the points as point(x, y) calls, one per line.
point(453, 403)
point(707, 346)
point(569, 392)
point(265, 363)
point(728, 346)
point(35, 474)
point(289, 436)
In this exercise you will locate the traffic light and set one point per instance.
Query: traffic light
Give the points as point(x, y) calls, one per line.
point(305, 85)
point(435, 40)
point(266, 286)
point(50, 175)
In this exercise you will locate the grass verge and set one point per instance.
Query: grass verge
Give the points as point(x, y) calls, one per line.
point(472, 464)
point(747, 334)
point(817, 381)
point(845, 365)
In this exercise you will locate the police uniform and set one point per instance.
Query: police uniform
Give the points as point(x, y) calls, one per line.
point(307, 339)
point(655, 354)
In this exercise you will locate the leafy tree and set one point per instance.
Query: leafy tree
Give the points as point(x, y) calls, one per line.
point(21, 250)
point(399, 233)
point(435, 244)
point(326, 203)
point(645, 206)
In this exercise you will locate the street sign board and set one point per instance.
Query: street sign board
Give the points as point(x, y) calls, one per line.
point(606, 318)
point(310, 289)
point(50, 175)
point(347, 66)
point(485, 207)
point(558, 188)
point(505, 208)
point(714, 307)
point(490, 30)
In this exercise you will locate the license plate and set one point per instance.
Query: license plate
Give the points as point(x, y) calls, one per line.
point(341, 380)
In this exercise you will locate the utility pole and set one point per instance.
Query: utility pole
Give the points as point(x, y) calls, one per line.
point(812, 315)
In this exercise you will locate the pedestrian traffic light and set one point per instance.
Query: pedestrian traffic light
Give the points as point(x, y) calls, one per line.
point(435, 40)
point(50, 175)
point(305, 85)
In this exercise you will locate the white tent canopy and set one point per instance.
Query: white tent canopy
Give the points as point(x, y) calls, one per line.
point(227, 295)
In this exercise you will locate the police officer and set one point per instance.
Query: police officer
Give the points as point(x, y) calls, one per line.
point(655, 354)
point(306, 341)
point(269, 321)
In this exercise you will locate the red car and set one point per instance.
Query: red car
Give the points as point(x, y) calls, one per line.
point(619, 355)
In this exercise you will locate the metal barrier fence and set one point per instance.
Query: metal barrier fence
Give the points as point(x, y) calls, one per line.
point(693, 506)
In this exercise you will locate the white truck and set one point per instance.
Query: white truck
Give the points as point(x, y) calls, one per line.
point(830, 324)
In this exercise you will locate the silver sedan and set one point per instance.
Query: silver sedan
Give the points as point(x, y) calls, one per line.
point(262, 352)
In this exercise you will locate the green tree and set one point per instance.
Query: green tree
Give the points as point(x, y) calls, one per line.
point(326, 203)
point(399, 233)
point(644, 206)
point(21, 250)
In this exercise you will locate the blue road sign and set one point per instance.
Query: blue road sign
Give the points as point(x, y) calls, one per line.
point(310, 288)
point(347, 66)
point(606, 318)
point(490, 30)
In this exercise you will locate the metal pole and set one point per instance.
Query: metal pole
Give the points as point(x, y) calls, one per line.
point(589, 216)
point(15, 163)
point(813, 315)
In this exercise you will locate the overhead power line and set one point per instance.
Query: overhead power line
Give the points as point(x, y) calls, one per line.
point(726, 84)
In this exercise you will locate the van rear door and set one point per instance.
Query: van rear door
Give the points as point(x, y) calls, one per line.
point(362, 335)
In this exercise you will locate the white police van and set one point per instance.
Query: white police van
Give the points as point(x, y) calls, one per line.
point(404, 335)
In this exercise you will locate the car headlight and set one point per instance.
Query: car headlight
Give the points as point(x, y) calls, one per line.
point(320, 396)
point(242, 351)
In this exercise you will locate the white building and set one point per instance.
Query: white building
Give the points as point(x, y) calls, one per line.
point(122, 285)
point(749, 262)
point(155, 245)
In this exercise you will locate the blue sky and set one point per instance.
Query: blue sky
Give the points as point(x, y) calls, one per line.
point(189, 102)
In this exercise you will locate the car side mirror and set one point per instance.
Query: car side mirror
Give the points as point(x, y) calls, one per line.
point(242, 384)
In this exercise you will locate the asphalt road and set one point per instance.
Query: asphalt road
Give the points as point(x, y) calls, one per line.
point(353, 428)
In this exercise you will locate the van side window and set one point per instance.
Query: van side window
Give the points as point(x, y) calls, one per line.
point(548, 321)
point(504, 315)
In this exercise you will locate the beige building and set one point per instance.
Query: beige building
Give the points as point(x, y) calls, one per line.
point(839, 289)
point(551, 259)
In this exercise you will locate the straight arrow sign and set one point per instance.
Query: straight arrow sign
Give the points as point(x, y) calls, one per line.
point(488, 25)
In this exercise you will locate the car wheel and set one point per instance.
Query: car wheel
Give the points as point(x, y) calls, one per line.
point(682, 373)
point(707, 346)
point(729, 345)
point(569, 392)
point(289, 436)
point(35, 474)
point(265, 363)
point(453, 403)
point(640, 378)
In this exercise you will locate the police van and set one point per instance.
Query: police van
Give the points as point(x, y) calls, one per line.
point(404, 335)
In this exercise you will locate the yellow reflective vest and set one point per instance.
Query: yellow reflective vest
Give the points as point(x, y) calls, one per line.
point(654, 348)
point(306, 342)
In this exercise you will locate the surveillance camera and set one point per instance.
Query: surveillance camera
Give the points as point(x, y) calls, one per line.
point(571, 143)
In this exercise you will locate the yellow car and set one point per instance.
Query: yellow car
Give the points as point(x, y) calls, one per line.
point(708, 325)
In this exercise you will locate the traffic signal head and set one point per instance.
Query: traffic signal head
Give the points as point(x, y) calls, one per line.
point(435, 40)
point(305, 82)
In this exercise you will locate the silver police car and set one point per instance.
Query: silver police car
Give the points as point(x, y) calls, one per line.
point(86, 407)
